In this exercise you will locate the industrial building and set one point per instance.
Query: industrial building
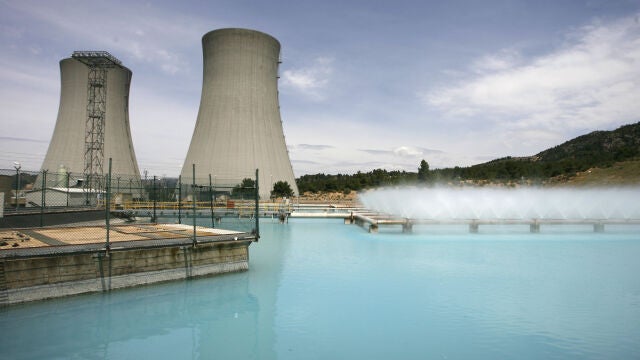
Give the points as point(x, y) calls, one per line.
point(239, 129)
point(92, 124)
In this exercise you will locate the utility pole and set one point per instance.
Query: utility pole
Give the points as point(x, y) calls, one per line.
point(17, 166)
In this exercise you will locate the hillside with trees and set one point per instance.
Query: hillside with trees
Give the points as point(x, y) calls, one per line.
point(614, 153)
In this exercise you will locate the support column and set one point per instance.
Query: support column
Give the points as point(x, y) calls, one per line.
point(534, 227)
point(349, 219)
point(407, 227)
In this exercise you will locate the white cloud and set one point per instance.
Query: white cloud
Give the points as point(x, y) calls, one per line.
point(159, 38)
point(27, 75)
point(402, 151)
point(310, 81)
point(407, 151)
point(317, 147)
point(503, 60)
point(345, 158)
point(592, 82)
point(162, 147)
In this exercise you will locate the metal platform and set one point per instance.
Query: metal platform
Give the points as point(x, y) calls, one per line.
point(373, 220)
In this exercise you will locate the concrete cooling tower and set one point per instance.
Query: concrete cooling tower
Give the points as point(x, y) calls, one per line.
point(93, 120)
point(239, 128)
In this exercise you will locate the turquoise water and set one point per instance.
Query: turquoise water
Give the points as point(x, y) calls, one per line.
point(323, 290)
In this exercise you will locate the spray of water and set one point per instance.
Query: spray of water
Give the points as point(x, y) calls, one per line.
point(501, 203)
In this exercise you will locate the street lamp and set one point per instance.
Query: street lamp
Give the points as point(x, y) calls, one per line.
point(17, 166)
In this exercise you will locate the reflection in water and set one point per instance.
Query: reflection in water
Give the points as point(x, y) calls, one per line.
point(321, 289)
point(168, 316)
point(228, 317)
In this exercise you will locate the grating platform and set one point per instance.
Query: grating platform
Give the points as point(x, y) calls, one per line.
point(16, 242)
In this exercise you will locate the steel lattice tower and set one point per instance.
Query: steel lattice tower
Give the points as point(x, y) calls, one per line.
point(93, 124)
point(98, 62)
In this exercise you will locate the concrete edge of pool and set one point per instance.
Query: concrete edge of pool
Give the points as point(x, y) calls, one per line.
point(142, 255)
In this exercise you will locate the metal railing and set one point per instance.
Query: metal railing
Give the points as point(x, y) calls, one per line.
point(59, 199)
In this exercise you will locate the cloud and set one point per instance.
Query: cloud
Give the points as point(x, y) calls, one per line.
point(407, 151)
point(17, 139)
point(27, 75)
point(346, 160)
point(311, 147)
point(158, 38)
point(412, 151)
point(505, 59)
point(591, 82)
point(161, 148)
point(402, 151)
point(309, 81)
point(305, 162)
point(377, 152)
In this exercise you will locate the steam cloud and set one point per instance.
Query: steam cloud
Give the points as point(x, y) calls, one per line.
point(497, 203)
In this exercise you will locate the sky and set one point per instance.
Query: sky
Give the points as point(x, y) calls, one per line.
point(364, 84)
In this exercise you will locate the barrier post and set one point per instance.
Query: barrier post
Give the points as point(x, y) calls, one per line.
point(211, 200)
point(155, 201)
point(194, 204)
point(180, 199)
point(43, 197)
point(257, 214)
point(107, 208)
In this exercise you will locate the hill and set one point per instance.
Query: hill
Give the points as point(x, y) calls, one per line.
point(599, 149)
point(620, 173)
point(597, 158)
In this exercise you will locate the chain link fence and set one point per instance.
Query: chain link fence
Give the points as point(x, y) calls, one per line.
point(48, 207)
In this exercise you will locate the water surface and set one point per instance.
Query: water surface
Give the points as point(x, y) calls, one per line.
point(318, 289)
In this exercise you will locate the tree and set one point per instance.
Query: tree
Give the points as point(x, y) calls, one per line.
point(245, 190)
point(281, 189)
point(423, 171)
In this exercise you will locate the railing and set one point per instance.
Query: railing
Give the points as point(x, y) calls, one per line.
point(49, 198)
point(244, 206)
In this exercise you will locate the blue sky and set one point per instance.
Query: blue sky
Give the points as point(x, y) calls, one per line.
point(364, 84)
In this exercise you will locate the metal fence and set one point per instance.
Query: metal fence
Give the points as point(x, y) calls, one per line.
point(63, 199)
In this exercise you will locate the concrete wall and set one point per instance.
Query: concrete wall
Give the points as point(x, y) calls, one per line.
point(239, 128)
point(36, 278)
point(30, 219)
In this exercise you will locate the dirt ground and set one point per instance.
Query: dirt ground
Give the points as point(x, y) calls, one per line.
point(340, 198)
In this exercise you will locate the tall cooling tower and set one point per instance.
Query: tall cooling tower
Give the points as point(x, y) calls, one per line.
point(82, 95)
point(239, 127)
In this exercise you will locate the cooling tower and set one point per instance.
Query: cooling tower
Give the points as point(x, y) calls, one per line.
point(239, 128)
point(79, 99)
